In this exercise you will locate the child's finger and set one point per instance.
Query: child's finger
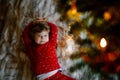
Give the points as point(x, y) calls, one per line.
point(40, 19)
point(37, 20)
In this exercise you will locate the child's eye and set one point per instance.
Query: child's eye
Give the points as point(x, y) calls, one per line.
point(45, 35)
point(39, 35)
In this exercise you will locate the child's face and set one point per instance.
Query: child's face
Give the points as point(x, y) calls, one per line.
point(41, 37)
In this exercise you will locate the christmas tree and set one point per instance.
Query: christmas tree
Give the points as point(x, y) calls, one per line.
point(95, 27)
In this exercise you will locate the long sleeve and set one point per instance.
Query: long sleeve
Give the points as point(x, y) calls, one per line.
point(26, 31)
point(43, 56)
point(53, 34)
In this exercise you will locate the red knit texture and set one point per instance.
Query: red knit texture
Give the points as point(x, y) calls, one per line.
point(42, 57)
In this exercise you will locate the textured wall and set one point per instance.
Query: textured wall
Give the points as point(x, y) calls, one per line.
point(13, 62)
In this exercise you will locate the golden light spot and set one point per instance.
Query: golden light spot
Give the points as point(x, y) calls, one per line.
point(107, 15)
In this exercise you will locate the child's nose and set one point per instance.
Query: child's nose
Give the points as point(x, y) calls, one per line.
point(42, 37)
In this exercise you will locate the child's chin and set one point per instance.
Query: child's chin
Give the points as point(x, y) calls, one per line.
point(42, 42)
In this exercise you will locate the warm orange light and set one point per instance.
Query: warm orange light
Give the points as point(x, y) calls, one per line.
point(103, 43)
point(72, 11)
point(112, 56)
point(107, 16)
point(73, 14)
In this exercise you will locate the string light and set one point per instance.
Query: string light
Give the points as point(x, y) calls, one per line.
point(72, 13)
point(103, 42)
point(107, 15)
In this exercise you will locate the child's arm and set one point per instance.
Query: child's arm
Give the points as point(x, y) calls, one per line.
point(26, 31)
point(53, 34)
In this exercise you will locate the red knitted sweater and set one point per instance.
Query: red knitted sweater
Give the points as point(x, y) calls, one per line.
point(42, 57)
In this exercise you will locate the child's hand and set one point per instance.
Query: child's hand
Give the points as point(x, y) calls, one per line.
point(40, 19)
point(37, 20)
